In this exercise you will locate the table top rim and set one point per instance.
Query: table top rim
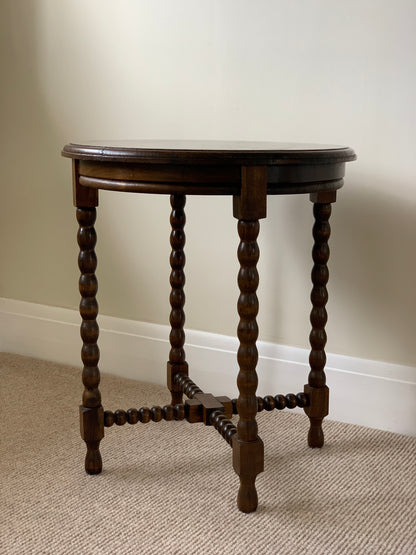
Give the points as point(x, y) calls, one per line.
point(186, 151)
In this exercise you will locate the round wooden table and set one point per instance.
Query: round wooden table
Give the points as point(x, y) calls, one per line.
point(249, 172)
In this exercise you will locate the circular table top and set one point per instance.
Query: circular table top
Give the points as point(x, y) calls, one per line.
point(208, 152)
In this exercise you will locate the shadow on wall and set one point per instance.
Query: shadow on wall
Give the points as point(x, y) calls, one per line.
point(373, 271)
point(372, 296)
point(38, 258)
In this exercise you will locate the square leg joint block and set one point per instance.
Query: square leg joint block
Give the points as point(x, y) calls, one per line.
point(248, 457)
point(91, 423)
point(251, 203)
point(209, 403)
point(84, 197)
point(193, 411)
point(323, 197)
point(227, 404)
point(196, 411)
point(318, 406)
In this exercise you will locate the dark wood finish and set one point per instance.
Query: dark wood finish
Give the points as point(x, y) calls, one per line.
point(227, 404)
point(203, 407)
point(193, 411)
point(200, 408)
point(209, 404)
point(144, 415)
point(83, 196)
point(169, 412)
point(323, 197)
point(216, 153)
point(206, 168)
point(156, 413)
point(179, 411)
point(132, 416)
point(268, 403)
point(248, 451)
point(120, 417)
point(177, 363)
point(217, 179)
point(316, 388)
point(224, 426)
point(310, 179)
point(108, 418)
point(187, 385)
point(91, 411)
point(248, 172)
point(251, 201)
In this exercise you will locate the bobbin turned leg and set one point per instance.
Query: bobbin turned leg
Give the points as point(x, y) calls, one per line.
point(177, 363)
point(248, 449)
point(91, 411)
point(316, 388)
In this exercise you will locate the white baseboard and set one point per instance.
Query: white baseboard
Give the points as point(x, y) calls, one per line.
point(365, 392)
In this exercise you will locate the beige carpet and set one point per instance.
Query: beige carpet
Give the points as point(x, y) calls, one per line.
point(170, 488)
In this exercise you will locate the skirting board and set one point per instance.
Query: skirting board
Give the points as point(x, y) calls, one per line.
point(364, 392)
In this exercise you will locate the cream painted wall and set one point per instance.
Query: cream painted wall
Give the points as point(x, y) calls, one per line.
point(310, 70)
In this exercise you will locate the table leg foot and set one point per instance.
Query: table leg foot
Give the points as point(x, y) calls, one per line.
point(92, 432)
point(247, 499)
point(315, 434)
point(248, 462)
point(93, 461)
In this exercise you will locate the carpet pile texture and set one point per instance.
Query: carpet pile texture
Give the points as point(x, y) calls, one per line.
point(169, 487)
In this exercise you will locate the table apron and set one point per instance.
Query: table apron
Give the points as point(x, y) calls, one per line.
point(206, 180)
